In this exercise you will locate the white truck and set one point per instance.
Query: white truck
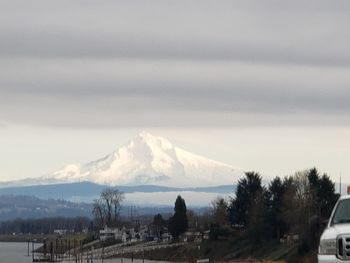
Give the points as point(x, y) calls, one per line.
point(335, 240)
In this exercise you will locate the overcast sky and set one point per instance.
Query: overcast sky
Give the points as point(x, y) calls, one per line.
point(262, 85)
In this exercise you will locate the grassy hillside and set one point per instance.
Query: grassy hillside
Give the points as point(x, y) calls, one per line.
point(233, 250)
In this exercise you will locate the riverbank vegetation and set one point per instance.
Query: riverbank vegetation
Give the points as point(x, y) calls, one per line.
point(289, 210)
point(279, 220)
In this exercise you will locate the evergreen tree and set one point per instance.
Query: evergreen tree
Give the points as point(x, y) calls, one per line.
point(323, 194)
point(247, 190)
point(314, 184)
point(220, 211)
point(158, 224)
point(327, 196)
point(277, 190)
point(178, 223)
point(259, 225)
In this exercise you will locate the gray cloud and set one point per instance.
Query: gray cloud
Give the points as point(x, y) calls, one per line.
point(292, 32)
point(128, 63)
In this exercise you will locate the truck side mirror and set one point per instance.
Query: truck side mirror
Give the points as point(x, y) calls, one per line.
point(324, 223)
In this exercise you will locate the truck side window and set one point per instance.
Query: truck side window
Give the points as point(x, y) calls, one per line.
point(342, 212)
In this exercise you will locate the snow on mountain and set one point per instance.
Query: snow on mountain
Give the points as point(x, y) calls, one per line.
point(149, 159)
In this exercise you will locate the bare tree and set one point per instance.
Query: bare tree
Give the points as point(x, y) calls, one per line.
point(108, 204)
point(117, 199)
point(297, 202)
point(97, 210)
point(107, 197)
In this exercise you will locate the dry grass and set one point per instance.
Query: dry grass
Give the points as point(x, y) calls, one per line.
point(254, 261)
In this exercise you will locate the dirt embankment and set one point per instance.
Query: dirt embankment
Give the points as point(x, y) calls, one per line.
point(229, 252)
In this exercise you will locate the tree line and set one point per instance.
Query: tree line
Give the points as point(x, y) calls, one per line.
point(294, 205)
point(45, 225)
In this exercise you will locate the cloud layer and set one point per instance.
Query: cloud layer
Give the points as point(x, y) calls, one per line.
point(174, 63)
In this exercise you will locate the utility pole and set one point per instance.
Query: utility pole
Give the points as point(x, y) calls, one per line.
point(103, 252)
point(33, 250)
point(143, 254)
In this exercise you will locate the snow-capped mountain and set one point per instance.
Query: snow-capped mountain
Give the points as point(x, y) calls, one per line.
point(149, 159)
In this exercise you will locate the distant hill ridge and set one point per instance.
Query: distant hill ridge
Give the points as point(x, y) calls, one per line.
point(88, 189)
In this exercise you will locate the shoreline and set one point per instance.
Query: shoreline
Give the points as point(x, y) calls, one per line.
point(37, 237)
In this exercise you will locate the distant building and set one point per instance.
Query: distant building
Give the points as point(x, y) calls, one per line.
point(158, 233)
point(109, 233)
point(120, 234)
point(62, 232)
point(192, 236)
point(166, 237)
point(206, 235)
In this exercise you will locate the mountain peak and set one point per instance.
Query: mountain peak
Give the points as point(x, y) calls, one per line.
point(145, 134)
point(150, 159)
point(152, 140)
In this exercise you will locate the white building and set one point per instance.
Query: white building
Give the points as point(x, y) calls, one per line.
point(108, 233)
point(119, 234)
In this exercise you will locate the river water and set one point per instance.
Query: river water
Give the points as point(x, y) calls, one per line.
point(18, 253)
